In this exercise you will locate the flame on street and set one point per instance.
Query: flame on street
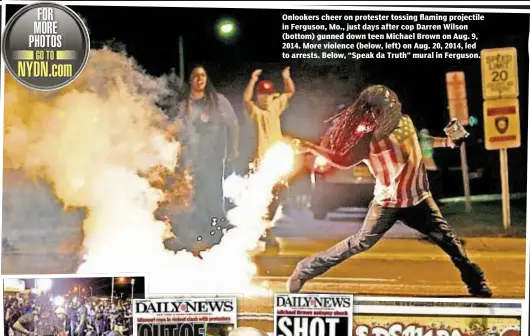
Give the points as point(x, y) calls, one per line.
point(95, 143)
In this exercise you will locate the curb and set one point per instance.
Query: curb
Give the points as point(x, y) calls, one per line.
point(482, 198)
point(410, 246)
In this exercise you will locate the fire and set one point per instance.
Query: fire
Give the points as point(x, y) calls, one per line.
point(95, 142)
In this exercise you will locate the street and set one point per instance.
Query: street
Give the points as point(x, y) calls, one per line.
point(406, 268)
point(402, 263)
point(399, 265)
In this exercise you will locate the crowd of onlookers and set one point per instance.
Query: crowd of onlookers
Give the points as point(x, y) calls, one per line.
point(29, 314)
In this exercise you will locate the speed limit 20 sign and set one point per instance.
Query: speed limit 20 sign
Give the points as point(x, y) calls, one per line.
point(499, 73)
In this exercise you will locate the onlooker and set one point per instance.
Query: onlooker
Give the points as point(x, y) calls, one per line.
point(210, 137)
point(266, 112)
point(51, 316)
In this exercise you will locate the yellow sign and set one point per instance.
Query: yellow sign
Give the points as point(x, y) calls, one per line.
point(499, 73)
point(501, 124)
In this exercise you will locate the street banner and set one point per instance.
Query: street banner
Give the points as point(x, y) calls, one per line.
point(184, 316)
point(313, 314)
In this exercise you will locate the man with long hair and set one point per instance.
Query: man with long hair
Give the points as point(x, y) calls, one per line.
point(373, 130)
point(210, 136)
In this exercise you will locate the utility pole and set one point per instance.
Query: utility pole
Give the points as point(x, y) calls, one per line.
point(181, 60)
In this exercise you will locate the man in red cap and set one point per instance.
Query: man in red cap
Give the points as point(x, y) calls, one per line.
point(266, 112)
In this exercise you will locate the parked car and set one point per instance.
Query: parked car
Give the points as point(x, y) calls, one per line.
point(335, 188)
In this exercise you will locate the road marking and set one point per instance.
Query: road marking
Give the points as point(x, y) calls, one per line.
point(326, 279)
point(415, 256)
point(482, 198)
point(350, 217)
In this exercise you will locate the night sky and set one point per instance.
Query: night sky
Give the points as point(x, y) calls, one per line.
point(150, 35)
point(100, 286)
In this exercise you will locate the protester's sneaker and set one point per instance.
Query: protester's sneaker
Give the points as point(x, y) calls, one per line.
point(267, 235)
point(481, 290)
point(294, 285)
point(272, 246)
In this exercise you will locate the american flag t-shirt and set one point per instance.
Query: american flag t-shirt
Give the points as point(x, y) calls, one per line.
point(397, 164)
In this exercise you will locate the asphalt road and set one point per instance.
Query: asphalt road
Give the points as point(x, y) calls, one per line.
point(403, 267)
point(399, 265)
point(395, 267)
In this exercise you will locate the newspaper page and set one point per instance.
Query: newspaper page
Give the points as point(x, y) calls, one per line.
point(185, 317)
point(313, 314)
point(377, 318)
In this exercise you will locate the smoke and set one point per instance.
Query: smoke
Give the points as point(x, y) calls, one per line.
point(90, 141)
point(100, 144)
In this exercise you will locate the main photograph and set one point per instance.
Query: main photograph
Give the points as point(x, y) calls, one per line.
point(254, 151)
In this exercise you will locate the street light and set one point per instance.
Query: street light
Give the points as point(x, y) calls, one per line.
point(132, 289)
point(226, 29)
point(43, 285)
point(112, 292)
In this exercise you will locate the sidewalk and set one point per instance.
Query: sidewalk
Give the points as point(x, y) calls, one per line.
point(300, 224)
point(484, 220)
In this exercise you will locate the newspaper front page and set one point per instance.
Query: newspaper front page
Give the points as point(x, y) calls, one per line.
point(313, 314)
point(185, 317)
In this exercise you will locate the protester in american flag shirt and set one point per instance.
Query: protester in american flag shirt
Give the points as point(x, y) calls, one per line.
point(373, 130)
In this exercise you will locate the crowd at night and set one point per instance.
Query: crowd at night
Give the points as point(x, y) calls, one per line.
point(80, 307)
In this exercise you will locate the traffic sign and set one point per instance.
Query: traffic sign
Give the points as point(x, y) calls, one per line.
point(499, 73)
point(501, 124)
point(457, 97)
point(456, 85)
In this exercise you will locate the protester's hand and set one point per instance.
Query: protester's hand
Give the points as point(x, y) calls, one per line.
point(301, 146)
point(308, 145)
point(256, 74)
point(286, 73)
point(449, 142)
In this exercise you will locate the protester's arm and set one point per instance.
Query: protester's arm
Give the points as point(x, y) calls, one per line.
point(249, 90)
point(83, 318)
point(288, 92)
point(438, 142)
point(28, 318)
point(289, 87)
point(342, 161)
point(20, 328)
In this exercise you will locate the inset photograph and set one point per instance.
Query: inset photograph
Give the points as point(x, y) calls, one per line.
point(76, 306)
